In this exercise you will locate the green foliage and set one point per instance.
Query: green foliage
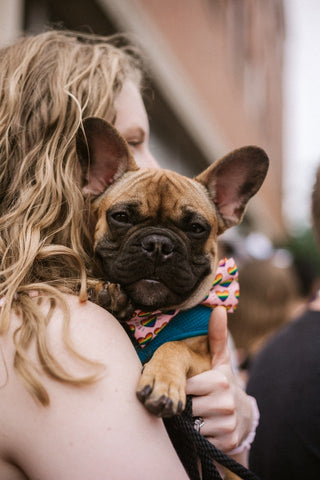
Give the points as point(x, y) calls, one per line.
point(303, 245)
point(306, 259)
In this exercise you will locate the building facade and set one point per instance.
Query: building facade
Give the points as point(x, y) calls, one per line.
point(216, 76)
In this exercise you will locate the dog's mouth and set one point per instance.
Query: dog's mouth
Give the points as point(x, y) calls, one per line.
point(155, 267)
point(152, 294)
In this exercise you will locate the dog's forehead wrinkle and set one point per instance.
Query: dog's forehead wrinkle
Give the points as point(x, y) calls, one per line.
point(160, 194)
point(162, 185)
point(173, 182)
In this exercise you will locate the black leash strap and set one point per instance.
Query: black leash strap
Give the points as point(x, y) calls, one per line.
point(191, 446)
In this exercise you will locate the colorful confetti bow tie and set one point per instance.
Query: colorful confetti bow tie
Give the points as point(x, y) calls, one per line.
point(225, 291)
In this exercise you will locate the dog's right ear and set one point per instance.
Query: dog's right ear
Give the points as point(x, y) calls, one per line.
point(103, 154)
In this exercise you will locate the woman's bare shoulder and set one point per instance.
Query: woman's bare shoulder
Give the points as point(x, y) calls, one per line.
point(95, 329)
point(97, 336)
point(95, 431)
point(93, 332)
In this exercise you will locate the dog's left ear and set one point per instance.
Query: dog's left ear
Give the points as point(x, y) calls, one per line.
point(103, 155)
point(233, 180)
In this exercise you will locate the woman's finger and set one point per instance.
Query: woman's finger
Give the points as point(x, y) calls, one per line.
point(207, 383)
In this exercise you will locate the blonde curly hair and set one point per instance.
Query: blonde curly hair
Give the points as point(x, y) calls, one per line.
point(48, 84)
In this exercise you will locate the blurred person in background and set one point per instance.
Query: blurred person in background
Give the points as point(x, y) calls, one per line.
point(268, 295)
point(284, 378)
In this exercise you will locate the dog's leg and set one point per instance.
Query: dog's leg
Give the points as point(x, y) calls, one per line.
point(162, 386)
point(111, 297)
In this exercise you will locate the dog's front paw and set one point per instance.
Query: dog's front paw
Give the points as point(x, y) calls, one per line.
point(115, 300)
point(162, 392)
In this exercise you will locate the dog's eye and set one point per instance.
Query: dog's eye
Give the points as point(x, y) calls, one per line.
point(120, 217)
point(196, 228)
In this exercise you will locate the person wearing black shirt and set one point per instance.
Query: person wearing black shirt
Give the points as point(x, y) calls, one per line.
point(285, 380)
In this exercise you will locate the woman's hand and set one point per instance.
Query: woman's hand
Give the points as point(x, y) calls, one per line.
point(218, 396)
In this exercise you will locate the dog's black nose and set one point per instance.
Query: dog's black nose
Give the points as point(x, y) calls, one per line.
point(158, 246)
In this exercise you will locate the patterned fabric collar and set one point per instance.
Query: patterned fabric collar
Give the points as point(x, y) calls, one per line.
point(145, 326)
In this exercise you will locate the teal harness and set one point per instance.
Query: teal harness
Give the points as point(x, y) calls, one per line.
point(186, 324)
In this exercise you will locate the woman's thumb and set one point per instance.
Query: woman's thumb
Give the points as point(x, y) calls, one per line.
point(218, 335)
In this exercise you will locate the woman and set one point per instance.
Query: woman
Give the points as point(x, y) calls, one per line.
point(68, 371)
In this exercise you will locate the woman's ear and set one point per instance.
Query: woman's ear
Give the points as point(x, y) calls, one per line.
point(103, 154)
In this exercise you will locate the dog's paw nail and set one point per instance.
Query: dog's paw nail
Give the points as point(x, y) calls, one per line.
point(144, 393)
point(161, 407)
point(167, 410)
point(147, 390)
point(156, 406)
point(180, 407)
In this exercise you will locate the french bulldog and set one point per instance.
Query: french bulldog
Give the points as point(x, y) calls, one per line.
point(156, 240)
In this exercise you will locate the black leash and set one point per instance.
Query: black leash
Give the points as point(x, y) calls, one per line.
point(191, 446)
